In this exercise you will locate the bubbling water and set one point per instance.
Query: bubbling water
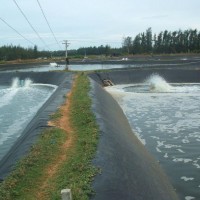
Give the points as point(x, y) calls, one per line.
point(18, 105)
point(157, 83)
point(28, 82)
point(16, 83)
point(165, 118)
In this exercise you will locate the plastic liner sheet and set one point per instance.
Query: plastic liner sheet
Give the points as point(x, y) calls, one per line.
point(128, 171)
point(129, 76)
point(39, 122)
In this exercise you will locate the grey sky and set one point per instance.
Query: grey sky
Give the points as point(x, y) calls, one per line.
point(94, 22)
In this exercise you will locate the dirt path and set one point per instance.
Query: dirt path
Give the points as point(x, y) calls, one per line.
point(63, 123)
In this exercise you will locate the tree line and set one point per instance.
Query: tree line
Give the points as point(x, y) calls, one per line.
point(11, 52)
point(93, 50)
point(165, 42)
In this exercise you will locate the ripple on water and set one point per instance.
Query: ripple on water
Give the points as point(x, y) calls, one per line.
point(169, 122)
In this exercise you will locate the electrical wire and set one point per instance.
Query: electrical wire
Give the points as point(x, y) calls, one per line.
point(30, 24)
point(16, 31)
point(48, 23)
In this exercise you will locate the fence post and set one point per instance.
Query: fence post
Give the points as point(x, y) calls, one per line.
point(66, 194)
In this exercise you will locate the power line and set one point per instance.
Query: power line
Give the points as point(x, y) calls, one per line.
point(30, 24)
point(16, 31)
point(48, 23)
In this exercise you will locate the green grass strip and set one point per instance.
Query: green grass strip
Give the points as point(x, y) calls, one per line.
point(76, 173)
point(20, 183)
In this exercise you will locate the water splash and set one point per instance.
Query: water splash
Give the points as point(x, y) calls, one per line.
point(18, 105)
point(28, 82)
point(16, 83)
point(158, 84)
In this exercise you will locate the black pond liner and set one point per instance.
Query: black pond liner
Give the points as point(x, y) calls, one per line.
point(128, 171)
point(39, 121)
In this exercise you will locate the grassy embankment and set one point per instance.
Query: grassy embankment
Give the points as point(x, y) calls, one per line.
point(30, 179)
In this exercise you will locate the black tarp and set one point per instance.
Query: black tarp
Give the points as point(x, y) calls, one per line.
point(34, 128)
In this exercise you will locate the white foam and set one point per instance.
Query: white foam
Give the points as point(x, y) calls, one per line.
point(158, 150)
point(7, 97)
point(53, 64)
point(167, 117)
point(180, 150)
point(197, 165)
point(155, 137)
point(8, 94)
point(17, 107)
point(185, 141)
point(160, 143)
point(184, 160)
point(189, 198)
point(166, 155)
point(187, 178)
point(14, 128)
point(169, 146)
point(44, 85)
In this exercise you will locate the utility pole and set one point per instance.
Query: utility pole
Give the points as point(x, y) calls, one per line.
point(66, 56)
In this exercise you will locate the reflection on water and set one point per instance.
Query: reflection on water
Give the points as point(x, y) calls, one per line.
point(166, 118)
point(78, 67)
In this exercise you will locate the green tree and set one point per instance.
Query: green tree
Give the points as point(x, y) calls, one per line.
point(149, 40)
point(143, 43)
point(127, 44)
point(35, 52)
point(137, 45)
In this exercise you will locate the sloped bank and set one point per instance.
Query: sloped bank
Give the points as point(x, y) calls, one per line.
point(128, 171)
point(127, 76)
point(30, 133)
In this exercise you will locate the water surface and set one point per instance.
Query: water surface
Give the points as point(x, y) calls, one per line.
point(18, 105)
point(166, 119)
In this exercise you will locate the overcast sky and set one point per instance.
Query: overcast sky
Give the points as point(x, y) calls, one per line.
point(93, 22)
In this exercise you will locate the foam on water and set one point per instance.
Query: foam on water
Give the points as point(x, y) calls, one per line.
point(9, 93)
point(189, 198)
point(6, 96)
point(157, 84)
point(167, 117)
point(18, 104)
